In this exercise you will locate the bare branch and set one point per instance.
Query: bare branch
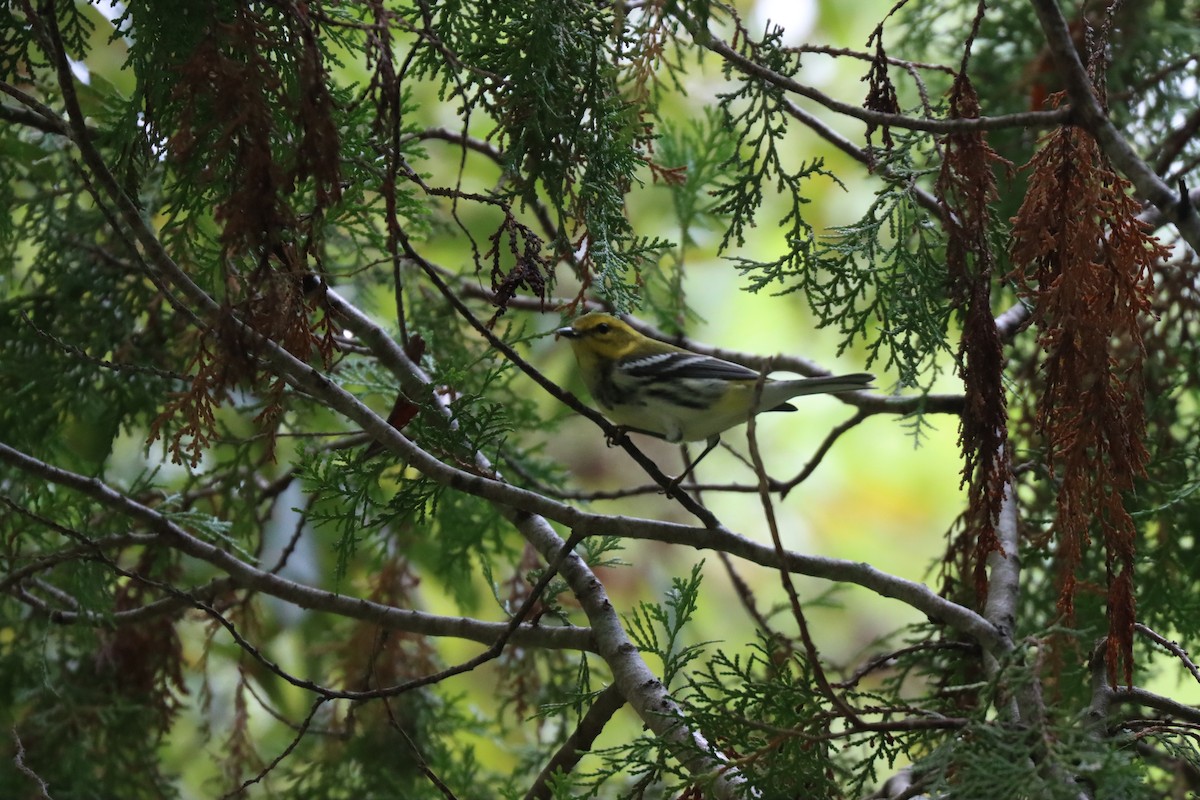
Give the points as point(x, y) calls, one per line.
point(37, 114)
point(1004, 582)
point(1142, 697)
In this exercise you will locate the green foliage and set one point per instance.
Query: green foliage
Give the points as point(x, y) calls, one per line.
point(770, 708)
point(694, 157)
point(1026, 763)
point(659, 628)
point(702, 148)
point(882, 280)
point(570, 138)
point(757, 112)
point(111, 309)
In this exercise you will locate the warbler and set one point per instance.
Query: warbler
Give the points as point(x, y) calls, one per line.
point(648, 386)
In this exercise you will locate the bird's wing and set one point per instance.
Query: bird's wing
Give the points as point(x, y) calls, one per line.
point(683, 365)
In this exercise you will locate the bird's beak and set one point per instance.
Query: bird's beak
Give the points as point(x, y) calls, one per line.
point(566, 333)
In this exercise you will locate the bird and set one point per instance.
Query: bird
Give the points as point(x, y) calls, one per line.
point(648, 386)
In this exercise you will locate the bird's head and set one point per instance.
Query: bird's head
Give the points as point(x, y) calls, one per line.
point(601, 335)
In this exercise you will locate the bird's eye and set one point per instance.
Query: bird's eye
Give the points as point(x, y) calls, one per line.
point(603, 327)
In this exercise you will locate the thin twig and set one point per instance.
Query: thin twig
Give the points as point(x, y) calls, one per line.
point(39, 115)
point(25, 769)
point(785, 577)
point(861, 56)
point(826, 445)
point(590, 726)
point(884, 659)
point(1170, 646)
point(287, 751)
point(422, 762)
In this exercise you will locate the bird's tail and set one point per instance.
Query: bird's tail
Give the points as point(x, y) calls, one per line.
point(776, 393)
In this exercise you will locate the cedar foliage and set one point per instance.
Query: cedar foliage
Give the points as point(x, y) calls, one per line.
point(238, 233)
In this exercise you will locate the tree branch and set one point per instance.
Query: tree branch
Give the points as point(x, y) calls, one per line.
point(307, 597)
point(1028, 119)
point(810, 646)
point(917, 595)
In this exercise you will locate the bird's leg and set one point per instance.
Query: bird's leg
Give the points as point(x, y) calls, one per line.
point(619, 435)
point(708, 448)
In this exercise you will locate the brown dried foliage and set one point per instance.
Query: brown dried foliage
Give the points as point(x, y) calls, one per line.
point(646, 53)
point(529, 269)
point(275, 305)
point(1084, 262)
point(255, 120)
point(374, 657)
point(241, 757)
point(966, 186)
point(881, 92)
point(257, 125)
point(143, 661)
point(521, 683)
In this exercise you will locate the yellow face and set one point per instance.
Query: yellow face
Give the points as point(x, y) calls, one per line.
point(600, 334)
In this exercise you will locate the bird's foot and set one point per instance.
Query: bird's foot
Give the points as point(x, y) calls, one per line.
point(619, 435)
